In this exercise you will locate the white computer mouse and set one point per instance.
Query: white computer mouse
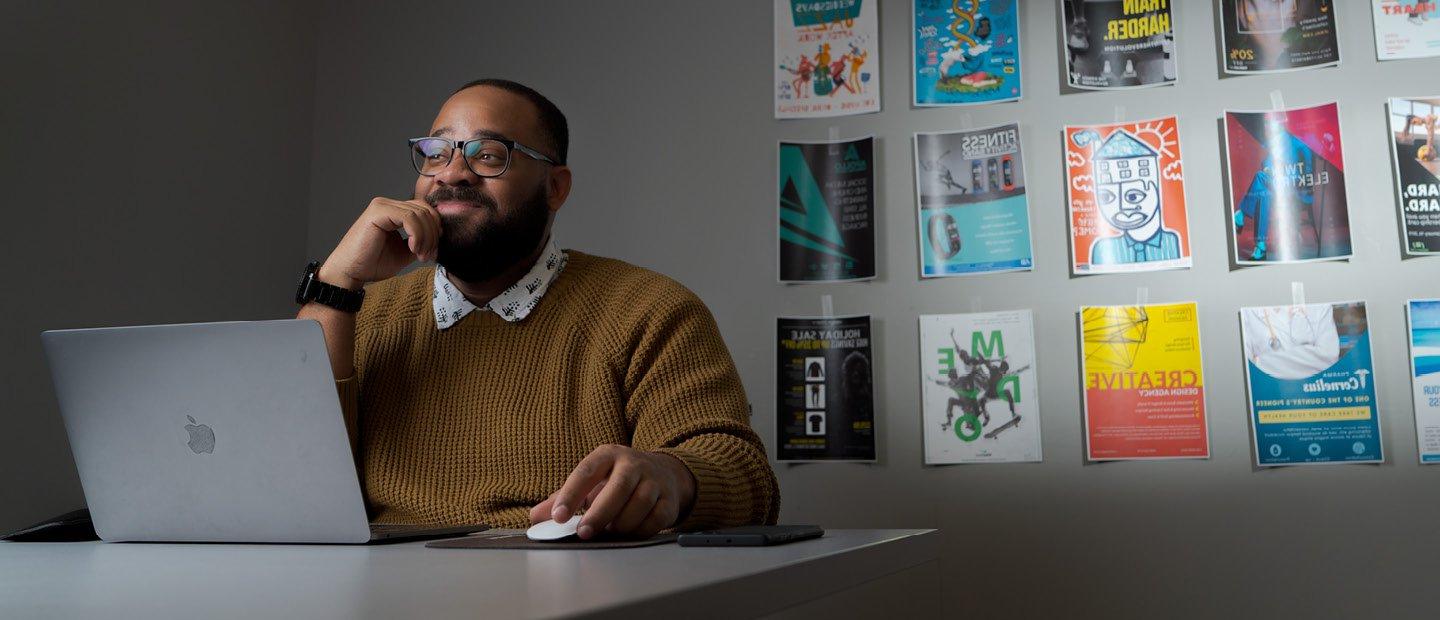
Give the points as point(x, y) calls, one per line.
point(552, 530)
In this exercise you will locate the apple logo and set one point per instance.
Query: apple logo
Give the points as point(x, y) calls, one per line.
point(202, 439)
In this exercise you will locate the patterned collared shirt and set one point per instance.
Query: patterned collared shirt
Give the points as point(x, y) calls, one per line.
point(513, 304)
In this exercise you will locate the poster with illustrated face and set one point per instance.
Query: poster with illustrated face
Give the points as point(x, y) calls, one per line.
point(980, 402)
point(827, 58)
point(1312, 384)
point(1112, 44)
point(1268, 36)
point(826, 210)
point(1417, 171)
point(974, 217)
point(1406, 28)
point(825, 405)
point(1144, 389)
point(1126, 194)
point(1287, 186)
point(966, 52)
point(1424, 322)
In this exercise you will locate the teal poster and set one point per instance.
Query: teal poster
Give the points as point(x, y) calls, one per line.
point(826, 210)
point(966, 51)
point(973, 214)
point(1312, 384)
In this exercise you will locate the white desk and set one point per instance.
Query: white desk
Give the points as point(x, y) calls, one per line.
point(848, 570)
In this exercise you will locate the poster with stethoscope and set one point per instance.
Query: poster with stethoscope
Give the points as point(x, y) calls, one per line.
point(1312, 384)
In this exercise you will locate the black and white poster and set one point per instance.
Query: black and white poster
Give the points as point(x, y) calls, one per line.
point(1118, 43)
point(825, 404)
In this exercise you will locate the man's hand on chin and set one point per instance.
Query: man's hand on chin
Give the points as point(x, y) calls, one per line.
point(623, 491)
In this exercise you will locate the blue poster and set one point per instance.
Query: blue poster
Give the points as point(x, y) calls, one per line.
point(1312, 384)
point(974, 217)
point(966, 51)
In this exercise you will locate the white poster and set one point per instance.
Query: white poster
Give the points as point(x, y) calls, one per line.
point(827, 58)
point(1406, 29)
point(979, 397)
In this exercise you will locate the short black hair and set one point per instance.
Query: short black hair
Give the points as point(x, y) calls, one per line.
point(552, 120)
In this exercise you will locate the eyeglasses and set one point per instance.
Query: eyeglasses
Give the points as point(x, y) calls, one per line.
point(486, 157)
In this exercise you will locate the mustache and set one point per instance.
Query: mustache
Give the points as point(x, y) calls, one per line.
point(462, 193)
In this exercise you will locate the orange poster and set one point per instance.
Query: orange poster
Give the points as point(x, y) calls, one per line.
point(1126, 190)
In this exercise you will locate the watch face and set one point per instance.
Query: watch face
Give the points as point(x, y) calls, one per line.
point(301, 295)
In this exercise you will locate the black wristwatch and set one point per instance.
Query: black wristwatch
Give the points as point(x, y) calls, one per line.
point(337, 297)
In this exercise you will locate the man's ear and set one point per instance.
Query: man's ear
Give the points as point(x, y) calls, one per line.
point(558, 186)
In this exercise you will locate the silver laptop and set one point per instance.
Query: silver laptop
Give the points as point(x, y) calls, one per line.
point(212, 432)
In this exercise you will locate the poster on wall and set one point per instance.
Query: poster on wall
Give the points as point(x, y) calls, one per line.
point(980, 400)
point(1417, 171)
point(825, 408)
point(1287, 186)
point(1406, 29)
point(826, 210)
point(966, 52)
point(1125, 187)
point(973, 214)
point(1267, 36)
point(1112, 44)
point(1424, 321)
point(1312, 384)
point(827, 58)
point(1144, 388)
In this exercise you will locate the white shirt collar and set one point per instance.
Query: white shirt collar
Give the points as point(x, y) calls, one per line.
point(513, 304)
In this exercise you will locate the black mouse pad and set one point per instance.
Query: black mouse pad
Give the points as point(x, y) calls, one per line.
point(515, 539)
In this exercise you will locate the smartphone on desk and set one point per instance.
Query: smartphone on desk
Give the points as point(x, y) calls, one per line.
point(750, 536)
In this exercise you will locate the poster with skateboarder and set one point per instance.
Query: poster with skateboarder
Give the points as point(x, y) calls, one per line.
point(1144, 387)
point(825, 404)
point(827, 58)
point(980, 402)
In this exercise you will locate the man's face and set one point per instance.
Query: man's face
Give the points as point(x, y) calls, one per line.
point(490, 224)
point(1128, 205)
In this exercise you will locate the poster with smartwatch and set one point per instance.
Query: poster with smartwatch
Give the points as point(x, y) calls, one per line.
point(1312, 384)
point(825, 405)
point(973, 214)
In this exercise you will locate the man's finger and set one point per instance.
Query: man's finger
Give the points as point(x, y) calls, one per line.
point(610, 501)
point(541, 511)
point(653, 523)
point(642, 501)
point(591, 470)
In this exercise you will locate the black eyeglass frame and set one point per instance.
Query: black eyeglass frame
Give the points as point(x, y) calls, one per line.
point(510, 147)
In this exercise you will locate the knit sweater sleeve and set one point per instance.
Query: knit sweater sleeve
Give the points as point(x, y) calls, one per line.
point(685, 400)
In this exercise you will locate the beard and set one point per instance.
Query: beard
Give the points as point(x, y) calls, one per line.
point(479, 252)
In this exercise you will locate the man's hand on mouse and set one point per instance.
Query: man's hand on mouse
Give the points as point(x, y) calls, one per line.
point(371, 250)
point(623, 491)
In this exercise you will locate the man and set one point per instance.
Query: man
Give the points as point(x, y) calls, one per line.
point(514, 382)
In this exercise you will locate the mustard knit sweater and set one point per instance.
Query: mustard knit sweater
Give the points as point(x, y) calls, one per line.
point(477, 423)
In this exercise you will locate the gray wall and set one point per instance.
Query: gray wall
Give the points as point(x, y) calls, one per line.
point(674, 155)
point(155, 166)
point(674, 161)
